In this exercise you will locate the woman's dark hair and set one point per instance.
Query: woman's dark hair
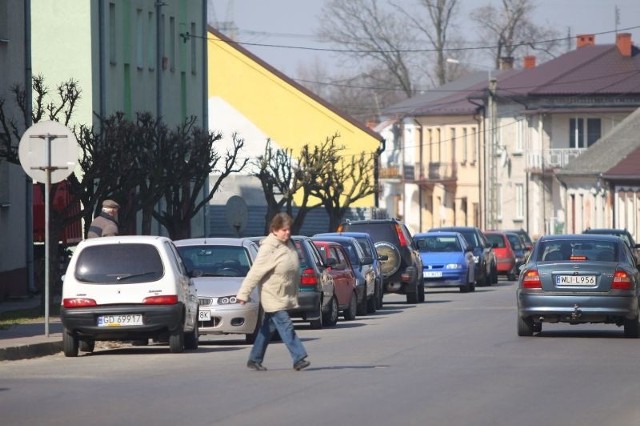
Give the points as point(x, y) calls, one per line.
point(279, 221)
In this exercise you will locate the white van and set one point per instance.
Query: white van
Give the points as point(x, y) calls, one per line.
point(129, 288)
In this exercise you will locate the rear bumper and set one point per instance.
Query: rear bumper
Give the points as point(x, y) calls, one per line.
point(403, 281)
point(577, 308)
point(308, 302)
point(157, 320)
point(448, 279)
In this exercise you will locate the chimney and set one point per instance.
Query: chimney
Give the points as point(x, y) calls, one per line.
point(583, 40)
point(529, 62)
point(623, 41)
point(506, 63)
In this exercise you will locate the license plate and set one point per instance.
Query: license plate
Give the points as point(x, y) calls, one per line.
point(204, 315)
point(431, 274)
point(122, 320)
point(585, 280)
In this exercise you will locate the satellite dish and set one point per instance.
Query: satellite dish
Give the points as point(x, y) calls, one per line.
point(237, 214)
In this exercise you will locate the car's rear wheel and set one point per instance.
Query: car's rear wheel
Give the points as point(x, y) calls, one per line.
point(525, 326)
point(70, 344)
point(632, 327)
point(351, 311)
point(330, 317)
point(191, 338)
point(362, 303)
point(176, 341)
point(87, 345)
point(415, 296)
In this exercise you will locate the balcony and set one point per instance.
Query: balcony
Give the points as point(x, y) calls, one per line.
point(391, 172)
point(555, 158)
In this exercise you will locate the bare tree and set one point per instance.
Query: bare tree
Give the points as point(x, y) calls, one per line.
point(510, 33)
point(374, 35)
point(441, 14)
point(337, 180)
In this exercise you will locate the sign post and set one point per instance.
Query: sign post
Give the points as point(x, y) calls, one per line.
point(50, 163)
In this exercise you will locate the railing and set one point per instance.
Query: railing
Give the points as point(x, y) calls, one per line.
point(552, 158)
point(430, 172)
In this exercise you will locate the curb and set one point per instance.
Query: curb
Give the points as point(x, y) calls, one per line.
point(34, 350)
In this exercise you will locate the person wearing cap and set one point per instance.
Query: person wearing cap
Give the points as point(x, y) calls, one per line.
point(106, 223)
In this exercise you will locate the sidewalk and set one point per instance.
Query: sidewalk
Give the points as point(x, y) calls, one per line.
point(24, 341)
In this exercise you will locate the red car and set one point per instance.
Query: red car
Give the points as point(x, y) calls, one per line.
point(504, 254)
point(344, 280)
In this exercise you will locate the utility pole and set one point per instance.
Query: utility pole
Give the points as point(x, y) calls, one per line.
point(492, 162)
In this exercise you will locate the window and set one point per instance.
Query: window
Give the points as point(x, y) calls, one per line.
point(520, 128)
point(453, 144)
point(465, 145)
point(139, 40)
point(519, 201)
point(172, 43)
point(151, 42)
point(194, 62)
point(112, 33)
point(474, 145)
point(577, 132)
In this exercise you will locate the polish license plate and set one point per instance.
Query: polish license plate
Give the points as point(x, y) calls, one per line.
point(577, 280)
point(431, 274)
point(204, 315)
point(121, 320)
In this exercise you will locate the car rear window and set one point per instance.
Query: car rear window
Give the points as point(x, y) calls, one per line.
point(496, 240)
point(378, 233)
point(213, 259)
point(598, 251)
point(119, 264)
point(438, 244)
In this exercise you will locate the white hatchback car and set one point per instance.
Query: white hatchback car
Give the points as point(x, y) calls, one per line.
point(128, 288)
point(218, 267)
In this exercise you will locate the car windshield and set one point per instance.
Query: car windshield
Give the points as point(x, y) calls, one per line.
point(119, 263)
point(514, 239)
point(438, 244)
point(216, 260)
point(568, 250)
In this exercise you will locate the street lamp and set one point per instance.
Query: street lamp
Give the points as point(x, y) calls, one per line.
point(491, 149)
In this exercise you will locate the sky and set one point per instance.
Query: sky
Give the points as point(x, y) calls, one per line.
point(263, 25)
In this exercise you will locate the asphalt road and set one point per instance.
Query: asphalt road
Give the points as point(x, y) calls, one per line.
point(454, 360)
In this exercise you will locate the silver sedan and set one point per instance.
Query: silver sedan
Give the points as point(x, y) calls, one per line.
point(579, 279)
point(218, 267)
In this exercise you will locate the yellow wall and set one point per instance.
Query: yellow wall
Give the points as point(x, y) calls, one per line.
point(277, 106)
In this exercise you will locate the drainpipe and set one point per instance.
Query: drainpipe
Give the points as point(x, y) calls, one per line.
point(159, 55)
point(376, 172)
point(28, 87)
point(102, 102)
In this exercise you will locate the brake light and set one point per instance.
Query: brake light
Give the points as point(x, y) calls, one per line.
point(531, 279)
point(78, 303)
point(308, 278)
point(161, 300)
point(401, 238)
point(621, 281)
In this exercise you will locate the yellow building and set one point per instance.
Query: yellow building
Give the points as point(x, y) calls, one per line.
point(251, 98)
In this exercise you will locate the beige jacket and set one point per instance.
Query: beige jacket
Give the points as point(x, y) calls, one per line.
point(276, 273)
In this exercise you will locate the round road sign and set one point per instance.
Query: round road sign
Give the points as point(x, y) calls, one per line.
point(48, 145)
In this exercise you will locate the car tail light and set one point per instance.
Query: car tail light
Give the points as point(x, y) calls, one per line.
point(621, 281)
point(401, 238)
point(308, 278)
point(161, 300)
point(78, 303)
point(531, 279)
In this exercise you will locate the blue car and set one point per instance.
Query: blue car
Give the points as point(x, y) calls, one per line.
point(447, 260)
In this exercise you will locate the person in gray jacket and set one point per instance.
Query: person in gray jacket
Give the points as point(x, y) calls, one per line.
point(276, 273)
point(105, 224)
